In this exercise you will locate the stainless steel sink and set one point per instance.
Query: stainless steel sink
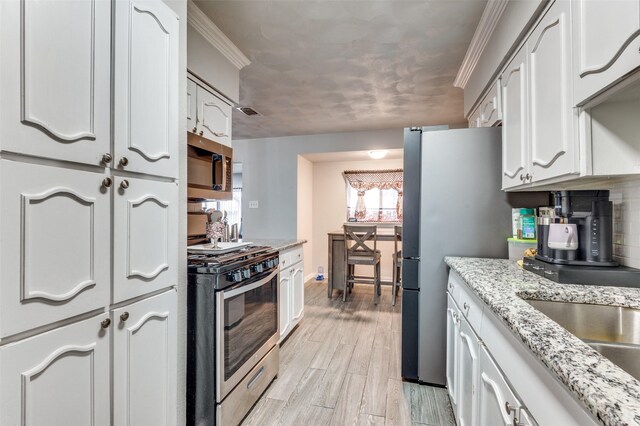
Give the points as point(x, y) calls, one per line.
point(611, 330)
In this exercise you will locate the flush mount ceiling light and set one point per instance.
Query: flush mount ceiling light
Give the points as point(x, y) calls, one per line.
point(378, 154)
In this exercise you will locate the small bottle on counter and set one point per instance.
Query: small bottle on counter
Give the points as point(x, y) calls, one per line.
point(527, 224)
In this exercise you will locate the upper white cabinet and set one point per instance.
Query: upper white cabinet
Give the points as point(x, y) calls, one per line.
point(55, 86)
point(55, 244)
point(144, 362)
point(60, 377)
point(213, 117)
point(146, 72)
point(606, 43)
point(513, 84)
point(489, 111)
point(192, 106)
point(145, 245)
point(553, 142)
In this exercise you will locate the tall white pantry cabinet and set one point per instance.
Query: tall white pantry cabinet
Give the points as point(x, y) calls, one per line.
point(89, 127)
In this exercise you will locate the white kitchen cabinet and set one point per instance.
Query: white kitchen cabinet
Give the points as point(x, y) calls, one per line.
point(146, 72)
point(58, 378)
point(55, 86)
point(467, 372)
point(474, 119)
point(497, 404)
point(490, 108)
point(145, 244)
point(55, 244)
point(514, 121)
point(553, 148)
point(291, 289)
point(145, 361)
point(192, 106)
point(284, 298)
point(453, 330)
point(214, 117)
point(606, 43)
point(297, 297)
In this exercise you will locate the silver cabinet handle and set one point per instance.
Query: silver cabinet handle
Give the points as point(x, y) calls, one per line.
point(124, 161)
point(528, 177)
point(105, 323)
point(201, 132)
point(466, 306)
point(195, 129)
point(107, 182)
point(124, 184)
point(106, 158)
point(508, 408)
point(521, 177)
point(124, 316)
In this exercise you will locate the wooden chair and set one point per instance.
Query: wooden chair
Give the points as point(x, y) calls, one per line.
point(361, 254)
point(397, 263)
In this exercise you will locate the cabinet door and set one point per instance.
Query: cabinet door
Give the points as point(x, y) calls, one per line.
point(58, 378)
point(145, 362)
point(297, 287)
point(452, 347)
point(285, 303)
point(55, 244)
point(497, 405)
point(192, 107)
point(467, 375)
point(145, 245)
point(146, 87)
point(606, 43)
point(553, 147)
point(490, 108)
point(55, 86)
point(214, 117)
point(514, 121)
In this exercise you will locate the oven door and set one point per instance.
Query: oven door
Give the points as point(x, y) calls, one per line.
point(247, 328)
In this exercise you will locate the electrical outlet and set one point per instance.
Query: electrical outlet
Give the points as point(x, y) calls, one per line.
point(253, 204)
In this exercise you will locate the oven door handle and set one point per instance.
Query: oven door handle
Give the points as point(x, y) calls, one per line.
point(249, 287)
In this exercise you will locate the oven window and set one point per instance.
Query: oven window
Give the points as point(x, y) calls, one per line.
point(250, 319)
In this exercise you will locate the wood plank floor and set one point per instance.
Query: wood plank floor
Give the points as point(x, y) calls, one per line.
point(341, 366)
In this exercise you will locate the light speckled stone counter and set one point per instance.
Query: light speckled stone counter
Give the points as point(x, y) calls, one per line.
point(279, 245)
point(612, 395)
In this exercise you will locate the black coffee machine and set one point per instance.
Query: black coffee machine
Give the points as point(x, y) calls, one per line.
point(592, 214)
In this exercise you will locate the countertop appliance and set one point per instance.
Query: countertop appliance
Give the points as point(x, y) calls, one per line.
point(587, 219)
point(617, 276)
point(453, 206)
point(209, 169)
point(232, 333)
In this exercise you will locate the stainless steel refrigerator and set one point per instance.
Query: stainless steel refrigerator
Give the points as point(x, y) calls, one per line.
point(453, 206)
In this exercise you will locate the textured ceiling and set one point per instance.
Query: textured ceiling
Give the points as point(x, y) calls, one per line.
point(336, 66)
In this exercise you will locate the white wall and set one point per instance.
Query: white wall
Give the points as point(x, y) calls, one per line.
point(305, 211)
point(270, 173)
point(330, 208)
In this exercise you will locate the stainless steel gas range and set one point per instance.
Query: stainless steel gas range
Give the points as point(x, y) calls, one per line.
point(232, 333)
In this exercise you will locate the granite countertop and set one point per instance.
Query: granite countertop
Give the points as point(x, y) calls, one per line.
point(276, 243)
point(608, 392)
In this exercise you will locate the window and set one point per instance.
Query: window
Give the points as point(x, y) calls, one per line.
point(374, 195)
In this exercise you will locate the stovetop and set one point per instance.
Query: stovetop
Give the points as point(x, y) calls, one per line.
point(246, 257)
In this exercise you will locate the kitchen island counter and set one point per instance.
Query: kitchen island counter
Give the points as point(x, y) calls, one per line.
point(608, 392)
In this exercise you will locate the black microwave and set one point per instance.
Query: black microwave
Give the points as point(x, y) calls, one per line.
point(209, 169)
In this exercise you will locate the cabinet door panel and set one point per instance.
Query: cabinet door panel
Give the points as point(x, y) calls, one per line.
point(214, 116)
point(494, 395)
point(57, 378)
point(144, 362)
point(285, 303)
point(553, 148)
point(468, 375)
point(146, 87)
point(452, 348)
point(605, 43)
point(55, 244)
point(514, 121)
point(55, 87)
point(192, 106)
point(145, 237)
point(297, 283)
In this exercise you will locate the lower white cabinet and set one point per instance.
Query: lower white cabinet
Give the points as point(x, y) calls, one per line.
point(58, 378)
point(145, 361)
point(467, 374)
point(291, 295)
point(453, 328)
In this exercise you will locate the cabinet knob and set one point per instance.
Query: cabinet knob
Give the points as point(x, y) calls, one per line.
point(521, 177)
point(124, 161)
point(528, 177)
point(466, 306)
point(124, 316)
point(105, 323)
point(107, 182)
point(106, 158)
point(195, 130)
point(201, 132)
point(124, 184)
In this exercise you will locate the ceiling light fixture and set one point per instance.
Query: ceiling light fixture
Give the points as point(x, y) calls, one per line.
point(378, 154)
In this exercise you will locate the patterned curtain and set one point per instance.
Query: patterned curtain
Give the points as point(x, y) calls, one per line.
point(364, 180)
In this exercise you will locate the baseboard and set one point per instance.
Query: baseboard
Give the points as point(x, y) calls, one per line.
point(309, 277)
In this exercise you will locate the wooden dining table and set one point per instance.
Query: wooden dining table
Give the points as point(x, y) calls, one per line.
point(335, 273)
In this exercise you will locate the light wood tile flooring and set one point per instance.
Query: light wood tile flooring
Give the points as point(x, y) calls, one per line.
point(341, 366)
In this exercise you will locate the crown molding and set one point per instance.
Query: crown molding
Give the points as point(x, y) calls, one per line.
point(490, 17)
point(205, 26)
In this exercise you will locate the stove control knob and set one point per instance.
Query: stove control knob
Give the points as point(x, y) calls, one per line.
point(235, 276)
point(246, 273)
point(258, 268)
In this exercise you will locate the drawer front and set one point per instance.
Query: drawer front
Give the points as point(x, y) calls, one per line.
point(469, 304)
point(291, 256)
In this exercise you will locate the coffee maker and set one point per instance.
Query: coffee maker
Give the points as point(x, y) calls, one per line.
point(580, 232)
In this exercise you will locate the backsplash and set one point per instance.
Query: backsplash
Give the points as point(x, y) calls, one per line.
point(626, 222)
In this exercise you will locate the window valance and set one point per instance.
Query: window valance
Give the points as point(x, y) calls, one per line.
point(366, 180)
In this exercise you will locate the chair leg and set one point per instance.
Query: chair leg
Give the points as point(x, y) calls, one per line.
point(346, 283)
point(379, 280)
